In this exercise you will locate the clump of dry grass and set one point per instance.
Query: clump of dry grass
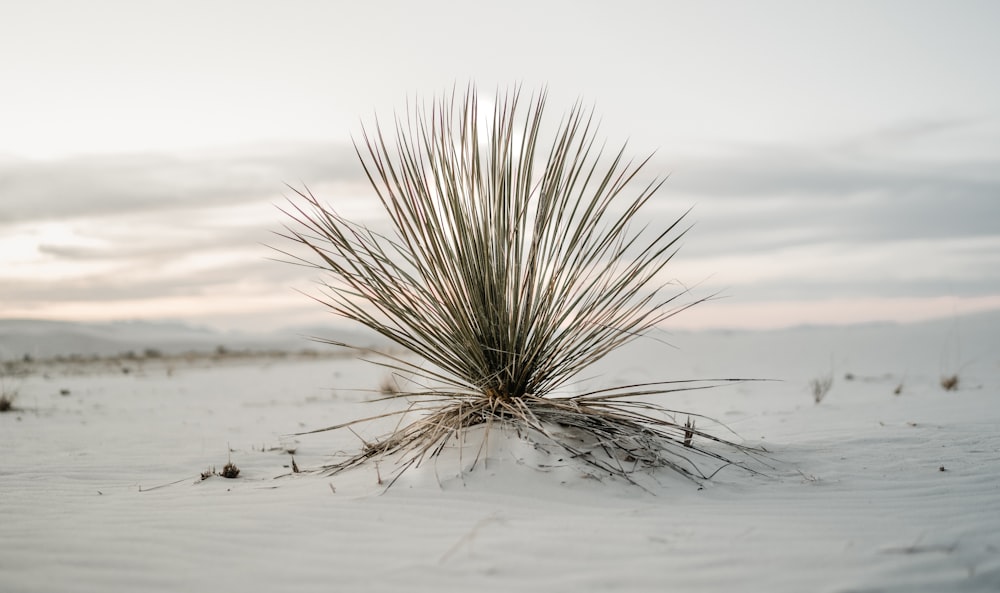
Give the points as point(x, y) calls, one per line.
point(7, 396)
point(230, 470)
point(388, 386)
point(512, 265)
point(820, 386)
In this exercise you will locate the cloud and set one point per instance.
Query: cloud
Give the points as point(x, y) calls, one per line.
point(764, 197)
point(909, 131)
point(772, 223)
point(114, 228)
point(773, 197)
point(116, 184)
point(905, 269)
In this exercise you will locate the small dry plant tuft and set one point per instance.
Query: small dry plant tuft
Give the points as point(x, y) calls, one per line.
point(230, 470)
point(388, 386)
point(820, 386)
point(7, 396)
point(949, 382)
point(688, 432)
point(515, 259)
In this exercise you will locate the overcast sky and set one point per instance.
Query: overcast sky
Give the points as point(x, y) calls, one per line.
point(843, 159)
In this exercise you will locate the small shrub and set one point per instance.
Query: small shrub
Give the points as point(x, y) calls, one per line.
point(7, 396)
point(820, 386)
point(949, 382)
point(388, 387)
point(230, 470)
point(512, 265)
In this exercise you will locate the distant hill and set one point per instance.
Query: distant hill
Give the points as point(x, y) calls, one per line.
point(48, 339)
point(975, 334)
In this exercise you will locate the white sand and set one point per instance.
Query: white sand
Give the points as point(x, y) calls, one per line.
point(100, 487)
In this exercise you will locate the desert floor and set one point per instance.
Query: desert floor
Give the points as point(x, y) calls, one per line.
point(868, 490)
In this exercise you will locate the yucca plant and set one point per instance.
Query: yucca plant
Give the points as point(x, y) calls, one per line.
point(516, 259)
